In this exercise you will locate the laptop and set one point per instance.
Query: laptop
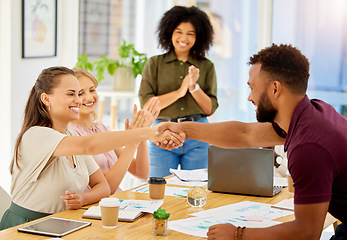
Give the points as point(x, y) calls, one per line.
point(247, 171)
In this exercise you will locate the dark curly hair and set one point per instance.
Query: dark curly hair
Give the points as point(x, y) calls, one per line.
point(200, 21)
point(286, 64)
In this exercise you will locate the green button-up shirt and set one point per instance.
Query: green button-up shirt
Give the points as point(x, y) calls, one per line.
point(164, 73)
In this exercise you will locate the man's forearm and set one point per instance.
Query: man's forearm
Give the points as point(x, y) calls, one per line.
point(223, 134)
point(233, 134)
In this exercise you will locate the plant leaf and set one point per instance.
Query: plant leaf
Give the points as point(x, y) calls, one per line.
point(161, 214)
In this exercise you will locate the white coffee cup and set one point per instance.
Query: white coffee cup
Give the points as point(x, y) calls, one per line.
point(109, 212)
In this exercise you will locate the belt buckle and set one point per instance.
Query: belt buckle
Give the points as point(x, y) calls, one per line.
point(181, 119)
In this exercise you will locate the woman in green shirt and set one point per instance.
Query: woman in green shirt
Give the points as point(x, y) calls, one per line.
point(184, 80)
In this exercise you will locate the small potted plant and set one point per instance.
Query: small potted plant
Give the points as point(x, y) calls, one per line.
point(125, 70)
point(160, 222)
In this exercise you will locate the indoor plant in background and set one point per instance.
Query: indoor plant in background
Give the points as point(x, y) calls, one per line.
point(125, 69)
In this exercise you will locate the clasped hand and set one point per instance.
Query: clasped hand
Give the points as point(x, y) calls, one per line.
point(171, 134)
point(164, 135)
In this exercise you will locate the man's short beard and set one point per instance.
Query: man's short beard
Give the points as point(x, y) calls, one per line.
point(265, 111)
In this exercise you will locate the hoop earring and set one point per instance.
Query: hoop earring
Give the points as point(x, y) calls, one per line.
point(49, 108)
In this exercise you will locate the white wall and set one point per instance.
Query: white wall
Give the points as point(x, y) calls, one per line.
point(19, 75)
point(5, 83)
point(149, 12)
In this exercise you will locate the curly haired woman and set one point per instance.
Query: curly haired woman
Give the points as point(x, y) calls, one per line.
point(184, 80)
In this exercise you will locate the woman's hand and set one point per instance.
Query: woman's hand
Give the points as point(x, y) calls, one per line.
point(72, 200)
point(184, 86)
point(139, 118)
point(168, 140)
point(152, 111)
point(176, 136)
point(190, 80)
point(194, 74)
point(149, 113)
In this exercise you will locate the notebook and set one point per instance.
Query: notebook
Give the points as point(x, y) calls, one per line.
point(94, 212)
point(247, 171)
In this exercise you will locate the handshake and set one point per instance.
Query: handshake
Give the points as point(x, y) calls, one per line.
point(168, 135)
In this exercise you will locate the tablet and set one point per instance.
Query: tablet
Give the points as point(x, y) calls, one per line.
point(54, 227)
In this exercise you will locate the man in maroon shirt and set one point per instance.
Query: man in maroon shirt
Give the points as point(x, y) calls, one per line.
point(313, 133)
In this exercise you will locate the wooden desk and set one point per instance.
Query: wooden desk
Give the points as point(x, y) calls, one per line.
point(115, 96)
point(141, 229)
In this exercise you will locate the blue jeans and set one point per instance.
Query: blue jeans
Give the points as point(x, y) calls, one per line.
point(340, 232)
point(192, 155)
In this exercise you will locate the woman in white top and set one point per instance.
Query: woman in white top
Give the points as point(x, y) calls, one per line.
point(51, 167)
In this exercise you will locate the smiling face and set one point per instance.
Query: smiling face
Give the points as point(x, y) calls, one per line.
point(183, 38)
point(89, 96)
point(265, 111)
point(64, 101)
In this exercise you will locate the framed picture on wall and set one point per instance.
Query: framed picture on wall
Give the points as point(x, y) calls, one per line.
point(39, 28)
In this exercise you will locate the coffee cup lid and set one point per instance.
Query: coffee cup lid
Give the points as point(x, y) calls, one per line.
point(109, 202)
point(157, 180)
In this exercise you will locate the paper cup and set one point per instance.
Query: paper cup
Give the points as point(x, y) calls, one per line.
point(156, 188)
point(109, 212)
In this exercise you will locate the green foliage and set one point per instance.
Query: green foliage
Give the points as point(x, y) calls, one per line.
point(161, 214)
point(83, 62)
point(128, 57)
point(102, 64)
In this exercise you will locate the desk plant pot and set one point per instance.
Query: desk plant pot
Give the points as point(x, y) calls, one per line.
point(125, 69)
point(123, 79)
point(160, 222)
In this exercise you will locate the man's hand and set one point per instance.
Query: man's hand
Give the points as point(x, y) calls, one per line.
point(176, 131)
point(167, 138)
point(221, 231)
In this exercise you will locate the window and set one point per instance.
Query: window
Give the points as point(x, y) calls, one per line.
point(319, 29)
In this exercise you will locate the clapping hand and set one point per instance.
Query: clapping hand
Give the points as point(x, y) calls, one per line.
point(194, 74)
point(152, 111)
point(145, 117)
point(190, 80)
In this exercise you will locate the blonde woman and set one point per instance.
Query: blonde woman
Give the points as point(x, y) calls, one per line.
point(117, 162)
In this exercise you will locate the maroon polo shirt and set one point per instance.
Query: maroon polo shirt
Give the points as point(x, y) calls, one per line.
point(317, 155)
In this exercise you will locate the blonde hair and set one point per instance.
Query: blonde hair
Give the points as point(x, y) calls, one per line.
point(80, 72)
